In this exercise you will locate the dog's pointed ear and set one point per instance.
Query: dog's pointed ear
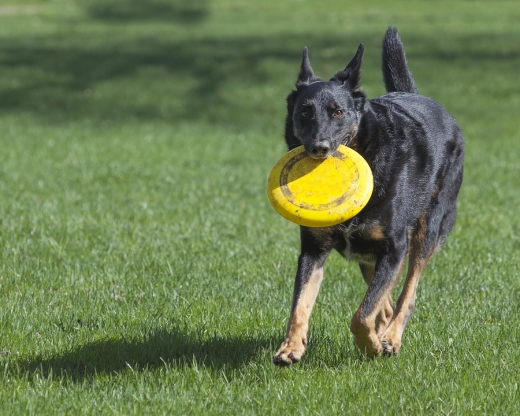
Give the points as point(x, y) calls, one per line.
point(306, 75)
point(351, 75)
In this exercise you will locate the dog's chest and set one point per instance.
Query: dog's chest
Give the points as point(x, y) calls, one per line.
point(357, 248)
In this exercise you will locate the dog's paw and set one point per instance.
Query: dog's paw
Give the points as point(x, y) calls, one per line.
point(391, 339)
point(366, 337)
point(290, 352)
point(390, 348)
point(371, 346)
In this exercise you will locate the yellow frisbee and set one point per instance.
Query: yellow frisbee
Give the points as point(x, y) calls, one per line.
point(320, 192)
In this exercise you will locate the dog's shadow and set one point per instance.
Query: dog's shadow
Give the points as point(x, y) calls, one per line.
point(161, 348)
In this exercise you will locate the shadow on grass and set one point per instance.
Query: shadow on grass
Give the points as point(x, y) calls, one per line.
point(213, 80)
point(161, 348)
point(178, 11)
point(140, 78)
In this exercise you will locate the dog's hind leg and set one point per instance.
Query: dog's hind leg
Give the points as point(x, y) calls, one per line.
point(367, 320)
point(306, 286)
point(387, 311)
point(431, 230)
point(422, 246)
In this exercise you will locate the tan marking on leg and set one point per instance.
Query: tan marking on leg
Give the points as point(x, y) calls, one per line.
point(367, 329)
point(385, 315)
point(392, 336)
point(295, 342)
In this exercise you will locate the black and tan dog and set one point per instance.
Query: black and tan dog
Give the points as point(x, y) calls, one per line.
point(416, 152)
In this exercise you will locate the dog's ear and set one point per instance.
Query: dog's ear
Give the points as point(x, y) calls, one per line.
point(351, 75)
point(360, 100)
point(306, 75)
point(290, 138)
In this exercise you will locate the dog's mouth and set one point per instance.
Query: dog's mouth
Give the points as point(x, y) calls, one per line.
point(320, 156)
point(347, 140)
point(324, 148)
point(351, 135)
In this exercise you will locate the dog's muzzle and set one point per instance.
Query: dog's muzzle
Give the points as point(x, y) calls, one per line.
point(319, 150)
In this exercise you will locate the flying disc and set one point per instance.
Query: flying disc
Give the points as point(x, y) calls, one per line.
point(320, 192)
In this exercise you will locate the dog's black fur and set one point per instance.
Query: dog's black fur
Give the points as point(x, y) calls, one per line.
point(415, 150)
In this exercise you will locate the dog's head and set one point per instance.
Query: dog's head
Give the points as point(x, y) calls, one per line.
point(324, 114)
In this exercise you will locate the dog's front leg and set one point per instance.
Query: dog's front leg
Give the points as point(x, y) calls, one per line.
point(365, 325)
point(306, 286)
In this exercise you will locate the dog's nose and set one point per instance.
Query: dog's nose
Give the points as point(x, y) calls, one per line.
point(320, 150)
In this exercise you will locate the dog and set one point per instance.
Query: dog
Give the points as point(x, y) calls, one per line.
point(416, 152)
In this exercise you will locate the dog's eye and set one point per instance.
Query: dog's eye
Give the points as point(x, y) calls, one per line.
point(305, 114)
point(338, 113)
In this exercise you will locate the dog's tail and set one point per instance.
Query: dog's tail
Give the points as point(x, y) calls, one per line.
point(396, 75)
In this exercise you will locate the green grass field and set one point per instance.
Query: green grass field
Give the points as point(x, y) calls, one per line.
point(142, 269)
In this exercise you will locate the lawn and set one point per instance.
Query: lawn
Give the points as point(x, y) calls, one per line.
point(142, 269)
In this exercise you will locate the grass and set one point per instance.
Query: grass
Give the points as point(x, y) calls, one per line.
point(142, 269)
